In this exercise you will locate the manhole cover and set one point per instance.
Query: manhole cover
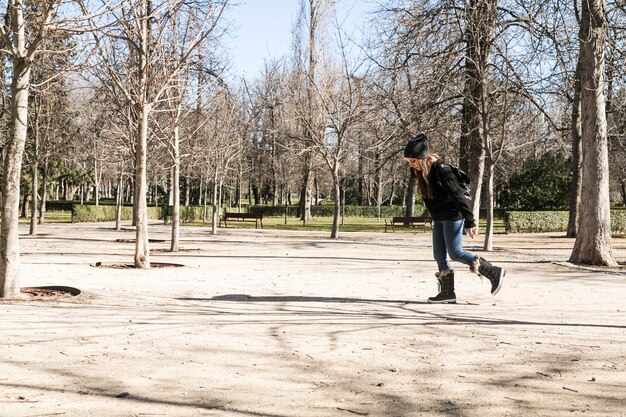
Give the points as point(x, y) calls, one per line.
point(49, 292)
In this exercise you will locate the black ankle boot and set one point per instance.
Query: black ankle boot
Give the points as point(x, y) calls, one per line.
point(446, 288)
point(493, 273)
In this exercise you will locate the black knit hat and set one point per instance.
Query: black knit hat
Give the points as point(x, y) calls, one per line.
point(417, 147)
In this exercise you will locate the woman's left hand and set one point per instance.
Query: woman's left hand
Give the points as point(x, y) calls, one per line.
point(470, 231)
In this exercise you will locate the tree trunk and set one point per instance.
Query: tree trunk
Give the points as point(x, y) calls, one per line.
point(214, 215)
point(169, 200)
point(9, 241)
point(34, 195)
point(337, 203)
point(392, 192)
point(142, 250)
point(133, 193)
point(304, 205)
point(481, 18)
point(26, 203)
point(119, 202)
point(593, 240)
point(379, 191)
point(176, 192)
point(574, 202)
point(44, 193)
point(239, 189)
point(187, 187)
point(410, 195)
point(205, 206)
point(200, 191)
point(35, 170)
point(316, 197)
point(488, 244)
point(96, 185)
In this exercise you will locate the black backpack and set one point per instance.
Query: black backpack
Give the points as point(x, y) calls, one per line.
point(462, 178)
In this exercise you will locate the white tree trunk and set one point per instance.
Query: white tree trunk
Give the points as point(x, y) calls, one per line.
point(9, 241)
point(337, 204)
point(44, 193)
point(214, 214)
point(488, 245)
point(34, 196)
point(96, 176)
point(176, 192)
point(142, 250)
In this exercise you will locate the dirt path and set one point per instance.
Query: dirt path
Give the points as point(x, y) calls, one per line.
point(277, 324)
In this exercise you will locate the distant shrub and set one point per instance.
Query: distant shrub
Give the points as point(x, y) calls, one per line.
point(190, 214)
point(89, 213)
point(542, 184)
point(59, 205)
point(553, 221)
point(535, 221)
point(618, 221)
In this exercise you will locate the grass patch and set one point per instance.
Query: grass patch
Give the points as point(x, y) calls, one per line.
point(318, 224)
point(51, 217)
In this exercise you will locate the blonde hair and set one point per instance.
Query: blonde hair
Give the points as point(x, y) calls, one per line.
point(426, 165)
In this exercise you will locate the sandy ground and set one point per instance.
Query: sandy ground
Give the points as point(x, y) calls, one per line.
point(286, 324)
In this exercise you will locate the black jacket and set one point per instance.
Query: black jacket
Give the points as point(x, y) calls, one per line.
point(448, 201)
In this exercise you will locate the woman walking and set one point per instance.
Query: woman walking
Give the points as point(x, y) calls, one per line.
point(449, 207)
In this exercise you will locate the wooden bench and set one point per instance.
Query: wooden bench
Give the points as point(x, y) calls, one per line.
point(408, 222)
point(242, 217)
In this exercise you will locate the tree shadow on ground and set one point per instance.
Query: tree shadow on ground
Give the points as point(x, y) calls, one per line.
point(449, 318)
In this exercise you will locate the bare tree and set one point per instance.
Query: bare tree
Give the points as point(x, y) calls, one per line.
point(22, 34)
point(313, 16)
point(222, 137)
point(142, 63)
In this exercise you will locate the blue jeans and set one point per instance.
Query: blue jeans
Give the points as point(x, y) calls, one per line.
point(448, 240)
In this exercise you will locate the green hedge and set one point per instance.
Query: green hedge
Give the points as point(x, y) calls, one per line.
point(553, 221)
point(327, 211)
point(68, 205)
point(88, 213)
point(191, 214)
point(618, 221)
point(59, 205)
point(535, 221)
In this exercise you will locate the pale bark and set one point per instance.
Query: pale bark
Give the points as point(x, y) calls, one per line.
point(336, 202)
point(214, 213)
point(304, 205)
point(488, 244)
point(34, 173)
point(142, 107)
point(593, 241)
point(44, 193)
point(119, 201)
point(176, 190)
point(34, 198)
point(409, 196)
point(9, 242)
point(14, 149)
point(142, 250)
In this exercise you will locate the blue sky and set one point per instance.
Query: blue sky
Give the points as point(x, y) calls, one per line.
point(263, 30)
